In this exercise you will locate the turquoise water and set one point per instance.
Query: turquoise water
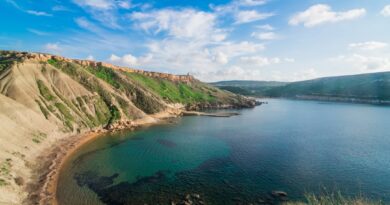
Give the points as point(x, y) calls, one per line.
point(294, 146)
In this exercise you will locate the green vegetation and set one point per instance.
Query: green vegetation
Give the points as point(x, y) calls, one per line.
point(106, 74)
point(44, 91)
point(334, 199)
point(43, 109)
point(53, 62)
point(170, 91)
point(5, 167)
point(68, 118)
point(373, 86)
point(248, 88)
point(3, 182)
point(39, 137)
point(7, 58)
point(115, 114)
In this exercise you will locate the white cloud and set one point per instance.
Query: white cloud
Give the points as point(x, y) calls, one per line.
point(38, 13)
point(386, 11)
point(248, 16)
point(124, 4)
point(236, 5)
point(259, 60)
point(369, 45)
point(229, 73)
point(266, 27)
point(186, 23)
point(38, 32)
point(250, 2)
point(130, 60)
point(53, 48)
point(264, 35)
point(96, 4)
point(366, 63)
point(32, 12)
point(105, 11)
point(322, 13)
point(239, 49)
point(221, 58)
point(126, 60)
point(90, 57)
point(87, 25)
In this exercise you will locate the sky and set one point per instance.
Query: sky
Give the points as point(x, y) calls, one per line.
point(272, 40)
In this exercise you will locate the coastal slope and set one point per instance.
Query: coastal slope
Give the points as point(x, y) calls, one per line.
point(45, 99)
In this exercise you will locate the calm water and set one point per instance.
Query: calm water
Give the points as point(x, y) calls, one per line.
point(294, 146)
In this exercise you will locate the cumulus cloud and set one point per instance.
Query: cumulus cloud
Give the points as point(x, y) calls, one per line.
point(366, 63)
point(369, 45)
point(130, 60)
point(248, 16)
point(264, 35)
point(386, 11)
point(185, 23)
point(126, 60)
point(322, 13)
point(221, 58)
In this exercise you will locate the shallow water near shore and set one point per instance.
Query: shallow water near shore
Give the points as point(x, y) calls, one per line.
point(293, 146)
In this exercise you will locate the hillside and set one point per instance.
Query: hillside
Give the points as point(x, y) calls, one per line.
point(365, 88)
point(46, 98)
point(248, 87)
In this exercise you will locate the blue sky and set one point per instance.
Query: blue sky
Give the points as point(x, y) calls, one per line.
point(284, 40)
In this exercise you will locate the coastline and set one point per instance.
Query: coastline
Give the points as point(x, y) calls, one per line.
point(43, 188)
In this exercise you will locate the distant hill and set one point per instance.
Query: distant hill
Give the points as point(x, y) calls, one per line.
point(368, 88)
point(250, 88)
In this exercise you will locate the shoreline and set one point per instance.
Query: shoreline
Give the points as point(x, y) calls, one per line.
point(43, 186)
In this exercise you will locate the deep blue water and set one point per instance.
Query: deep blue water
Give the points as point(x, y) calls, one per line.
point(293, 146)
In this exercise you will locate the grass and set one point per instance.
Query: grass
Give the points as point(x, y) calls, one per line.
point(106, 74)
point(105, 113)
point(53, 62)
point(3, 182)
point(170, 91)
point(334, 199)
point(43, 109)
point(68, 118)
point(44, 91)
point(5, 169)
point(39, 137)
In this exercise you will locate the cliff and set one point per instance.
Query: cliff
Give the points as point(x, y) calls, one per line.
point(45, 99)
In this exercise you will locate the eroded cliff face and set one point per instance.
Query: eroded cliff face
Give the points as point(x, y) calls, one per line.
point(46, 98)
